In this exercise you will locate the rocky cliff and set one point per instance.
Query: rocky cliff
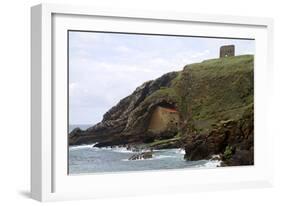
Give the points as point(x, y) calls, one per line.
point(214, 100)
point(127, 122)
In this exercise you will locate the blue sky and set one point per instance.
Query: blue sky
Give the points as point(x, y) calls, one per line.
point(106, 67)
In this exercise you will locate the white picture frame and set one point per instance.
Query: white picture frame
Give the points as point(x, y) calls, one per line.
point(49, 179)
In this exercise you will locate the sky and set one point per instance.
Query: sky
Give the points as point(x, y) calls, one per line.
point(106, 67)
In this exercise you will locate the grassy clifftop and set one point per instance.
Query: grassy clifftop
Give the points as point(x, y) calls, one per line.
point(215, 101)
point(211, 91)
point(220, 89)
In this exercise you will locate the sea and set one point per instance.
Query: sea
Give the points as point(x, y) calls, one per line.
point(87, 159)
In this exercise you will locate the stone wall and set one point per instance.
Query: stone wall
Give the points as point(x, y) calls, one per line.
point(163, 119)
point(227, 51)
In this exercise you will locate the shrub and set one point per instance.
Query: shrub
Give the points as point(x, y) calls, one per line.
point(228, 152)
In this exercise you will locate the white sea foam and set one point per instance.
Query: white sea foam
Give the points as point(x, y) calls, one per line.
point(164, 156)
point(122, 150)
point(180, 151)
point(103, 148)
point(84, 146)
point(215, 157)
point(212, 164)
point(177, 150)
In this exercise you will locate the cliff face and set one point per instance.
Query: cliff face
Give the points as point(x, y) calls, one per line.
point(214, 100)
point(216, 107)
point(232, 139)
point(127, 122)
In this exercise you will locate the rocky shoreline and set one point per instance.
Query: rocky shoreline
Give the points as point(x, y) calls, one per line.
point(214, 101)
point(232, 140)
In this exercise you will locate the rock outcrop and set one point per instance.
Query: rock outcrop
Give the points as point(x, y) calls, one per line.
point(142, 155)
point(127, 122)
point(233, 140)
point(217, 110)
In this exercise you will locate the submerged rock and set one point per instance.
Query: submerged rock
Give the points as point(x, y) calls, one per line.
point(142, 155)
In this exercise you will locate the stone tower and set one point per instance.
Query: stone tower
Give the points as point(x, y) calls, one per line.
point(227, 51)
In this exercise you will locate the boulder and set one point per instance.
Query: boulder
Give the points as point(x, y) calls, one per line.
point(240, 158)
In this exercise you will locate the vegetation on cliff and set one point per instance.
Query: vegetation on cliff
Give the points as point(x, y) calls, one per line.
point(214, 100)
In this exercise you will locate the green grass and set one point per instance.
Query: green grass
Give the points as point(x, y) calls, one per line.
point(211, 91)
point(228, 66)
point(228, 152)
point(167, 92)
point(217, 88)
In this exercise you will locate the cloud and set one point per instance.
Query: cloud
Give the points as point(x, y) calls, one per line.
point(122, 49)
point(200, 54)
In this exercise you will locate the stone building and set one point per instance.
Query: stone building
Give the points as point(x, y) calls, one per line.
point(163, 119)
point(227, 51)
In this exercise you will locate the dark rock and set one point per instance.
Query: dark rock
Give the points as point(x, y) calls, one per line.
point(197, 151)
point(233, 139)
point(74, 135)
point(142, 155)
point(240, 157)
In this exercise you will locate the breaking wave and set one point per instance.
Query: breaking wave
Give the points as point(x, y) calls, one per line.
point(84, 146)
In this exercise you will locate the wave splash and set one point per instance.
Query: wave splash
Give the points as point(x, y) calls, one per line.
point(157, 154)
point(83, 146)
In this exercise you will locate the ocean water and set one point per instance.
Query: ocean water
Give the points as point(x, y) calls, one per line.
point(89, 159)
